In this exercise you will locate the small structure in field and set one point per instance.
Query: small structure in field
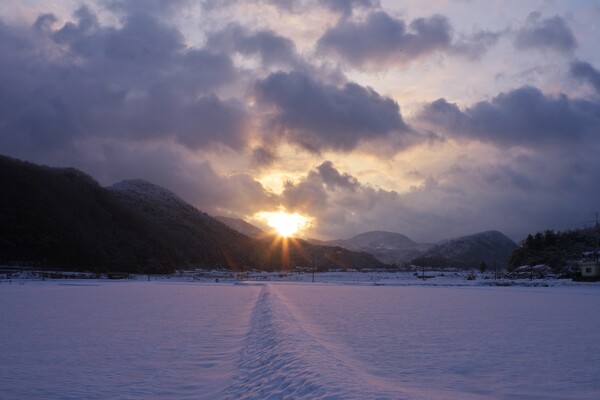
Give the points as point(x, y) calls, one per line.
point(590, 269)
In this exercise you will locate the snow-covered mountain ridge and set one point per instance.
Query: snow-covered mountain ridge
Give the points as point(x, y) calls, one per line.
point(155, 199)
point(395, 248)
point(489, 247)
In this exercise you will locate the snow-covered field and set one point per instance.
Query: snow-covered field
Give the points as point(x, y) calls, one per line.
point(166, 339)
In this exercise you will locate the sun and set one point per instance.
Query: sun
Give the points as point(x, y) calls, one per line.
point(285, 224)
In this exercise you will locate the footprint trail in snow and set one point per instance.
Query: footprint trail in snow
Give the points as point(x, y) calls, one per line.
point(282, 358)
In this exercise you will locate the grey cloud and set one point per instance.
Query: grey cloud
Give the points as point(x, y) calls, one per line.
point(143, 39)
point(240, 193)
point(273, 51)
point(307, 196)
point(522, 117)
point(510, 178)
point(209, 120)
point(586, 72)
point(137, 81)
point(154, 7)
point(344, 207)
point(516, 195)
point(263, 156)
point(381, 38)
point(346, 7)
point(196, 182)
point(333, 178)
point(549, 33)
point(210, 5)
point(474, 46)
point(197, 123)
point(205, 70)
point(124, 102)
point(87, 23)
point(44, 22)
point(312, 194)
point(319, 116)
point(272, 48)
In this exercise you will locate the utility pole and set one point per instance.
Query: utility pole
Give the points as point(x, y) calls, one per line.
point(495, 271)
point(597, 234)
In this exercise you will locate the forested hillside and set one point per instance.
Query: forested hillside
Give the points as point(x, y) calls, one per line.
point(480, 250)
point(52, 217)
point(62, 218)
point(555, 249)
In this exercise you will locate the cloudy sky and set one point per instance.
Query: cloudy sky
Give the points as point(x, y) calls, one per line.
point(429, 118)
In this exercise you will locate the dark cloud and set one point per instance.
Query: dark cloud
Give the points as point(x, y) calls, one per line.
point(549, 33)
point(44, 22)
point(203, 70)
point(548, 190)
point(341, 204)
point(143, 39)
point(133, 99)
point(381, 38)
point(523, 117)
point(313, 193)
point(154, 7)
point(332, 178)
point(474, 46)
point(307, 196)
point(541, 182)
point(196, 182)
point(263, 156)
point(209, 120)
point(79, 36)
point(344, 207)
point(346, 7)
point(273, 51)
point(319, 116)
point(272, 48)
point(82, 80)
point(586, 72)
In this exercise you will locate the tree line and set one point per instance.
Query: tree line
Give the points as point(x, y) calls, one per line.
point(555, 249)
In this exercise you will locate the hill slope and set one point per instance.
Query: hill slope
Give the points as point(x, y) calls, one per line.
point(490, 247)
point(242, 226)
point(62, 218)
point(302, 252)
point(388, 247)
point(196, 238)
point(556, 249)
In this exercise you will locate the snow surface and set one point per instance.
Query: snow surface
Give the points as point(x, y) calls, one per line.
point(272, 340)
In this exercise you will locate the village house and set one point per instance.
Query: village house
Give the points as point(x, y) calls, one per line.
point(590, 269)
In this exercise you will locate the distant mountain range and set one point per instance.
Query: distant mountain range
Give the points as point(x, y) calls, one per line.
point(62, 218)
point(388, 247)
point(490, 247)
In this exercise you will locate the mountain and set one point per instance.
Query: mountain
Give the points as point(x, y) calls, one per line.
point(556, 249)
point(378, 240)
point(196, 238)
point(490, 247)
point(242, 226)
point(62, 218)
point(303, 253)
point(388, 247)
